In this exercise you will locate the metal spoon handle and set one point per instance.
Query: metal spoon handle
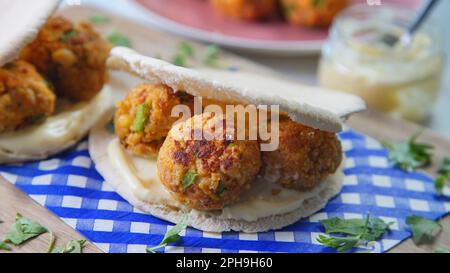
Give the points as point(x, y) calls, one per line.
point(422, 15)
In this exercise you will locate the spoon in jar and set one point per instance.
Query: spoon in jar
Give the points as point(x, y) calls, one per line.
point(391, 39)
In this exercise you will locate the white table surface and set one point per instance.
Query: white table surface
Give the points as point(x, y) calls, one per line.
point(304, 68)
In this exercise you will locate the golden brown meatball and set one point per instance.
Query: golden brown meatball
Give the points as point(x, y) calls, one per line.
point(246, 9)
point(71, 56)
point(312, 13)
point(143, 119)
point(207, 174)
point(305, 156)
point(25, 97)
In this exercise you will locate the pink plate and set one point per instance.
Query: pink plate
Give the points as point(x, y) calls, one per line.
point(196, 19)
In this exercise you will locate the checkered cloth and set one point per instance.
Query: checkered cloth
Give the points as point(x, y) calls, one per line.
point(70, 187)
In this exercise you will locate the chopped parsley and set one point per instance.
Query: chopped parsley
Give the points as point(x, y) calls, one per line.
point(354, 232)
point(444, 172)
point(68, 35)
point(99, 19)
point(141, 118)
point(423, 230)
point(410, 155)
point(74, 246)
point(118, 39)
point(189, 179)
point(185, 50)
point(211, 55)
point(172, 235)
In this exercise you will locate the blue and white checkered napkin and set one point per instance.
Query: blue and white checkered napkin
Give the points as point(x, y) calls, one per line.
point(70, 187)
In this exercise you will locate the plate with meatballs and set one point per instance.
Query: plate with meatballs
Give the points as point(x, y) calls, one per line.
point(194, 160)
point(52, 81)
point(279, 27)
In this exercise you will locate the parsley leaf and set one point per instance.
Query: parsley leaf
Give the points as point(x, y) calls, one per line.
point(410, 155)
point(118, 39)
point(23, 230)
point(99, 19)
point(211, 55)
point(445, 166)
point(424, 230)
point(441, 250)
point(444, 170)
point(189, 179)
point(67, 36)
point(140, 118)
point(4, 246)
point(74, 246)
point(172, 235)
point(185, 50)
point(357, 231)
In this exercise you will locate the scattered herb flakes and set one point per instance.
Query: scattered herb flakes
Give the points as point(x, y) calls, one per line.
point(179, 60)
point(410, 155)
point(141, 118)
point(211, 55)
point(423, 230)
point(189, 179)
point(186, 49)
point(172, 235)
point(74, 246)
point(441, 250)
point(67, 36)
point(99, 19)
point(23, 230)
point(118, 39)
point(4, 246)
point(355, 232)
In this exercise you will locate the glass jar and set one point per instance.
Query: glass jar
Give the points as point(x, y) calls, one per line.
point(402, 80)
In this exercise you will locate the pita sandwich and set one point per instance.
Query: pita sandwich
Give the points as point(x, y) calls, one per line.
point(136, 178)
point(70, 122)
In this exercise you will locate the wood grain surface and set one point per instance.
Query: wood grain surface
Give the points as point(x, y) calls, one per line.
point(153, 43)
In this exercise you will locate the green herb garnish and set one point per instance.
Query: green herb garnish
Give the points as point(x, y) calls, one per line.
point(441, 250)
point(410, 155)
point(118, 39)
point(185, 50)
point(179, 60)
point(424, 230)
point(99, 19)
point(444, 172)
point(38, 119)
point(355, 232)
point(67, 36)
point(74, 246)
point(189, 179)
point(23, 230)
point(140, 119)
point(4, 246)
point(211, 55)
point(172, 235)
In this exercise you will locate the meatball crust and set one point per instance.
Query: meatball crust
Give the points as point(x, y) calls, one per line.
point(305, 156)
point(157, 120)
point(73, 57)
point(312, 13)
point(25, 97)
point(207, 174)
point(246, 9)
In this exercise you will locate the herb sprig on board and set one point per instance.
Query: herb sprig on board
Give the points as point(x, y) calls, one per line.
point(172, 235)
point(424, 230)
point(444, 176)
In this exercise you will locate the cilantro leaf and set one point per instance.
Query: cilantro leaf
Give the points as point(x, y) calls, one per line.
point(118, 39)
point(185, 50)
point(189, 179)
point(211, 55)
point(140, 118)
point(172, 235)
point(439, 183)
point(67, 36)
point(423, 230)
point(445, 166)
point(410, 155)
point(179, 60)
point(354, 232)
point(74, 246)
point(441, 250)
point(23, 230)
point(99, 19)
point(4, 246)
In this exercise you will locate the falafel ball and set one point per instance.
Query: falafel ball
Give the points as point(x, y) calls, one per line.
point(305, 156)
point(207, 174)
point(73, 57)
point(246, 9)
point(312, 13)
point(25, 97)
point(143, 119)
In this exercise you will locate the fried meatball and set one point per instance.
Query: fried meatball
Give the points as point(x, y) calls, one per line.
point(305, 156)
point(204, 173)
point(143, 119)
point(246, 9)
point(319, 13)
point(25, 97)
point(72, 57)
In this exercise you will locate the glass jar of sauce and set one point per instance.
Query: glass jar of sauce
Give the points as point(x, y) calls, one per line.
point(402, 80)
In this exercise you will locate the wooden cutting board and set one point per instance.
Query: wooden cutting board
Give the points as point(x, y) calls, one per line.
point(153, 43)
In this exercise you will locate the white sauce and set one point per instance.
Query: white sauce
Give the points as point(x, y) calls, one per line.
point(140, 175)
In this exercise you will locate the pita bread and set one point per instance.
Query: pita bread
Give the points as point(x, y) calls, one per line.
point(20, 21)
point(58, 133)
point(99, 140)
point(316, 107)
